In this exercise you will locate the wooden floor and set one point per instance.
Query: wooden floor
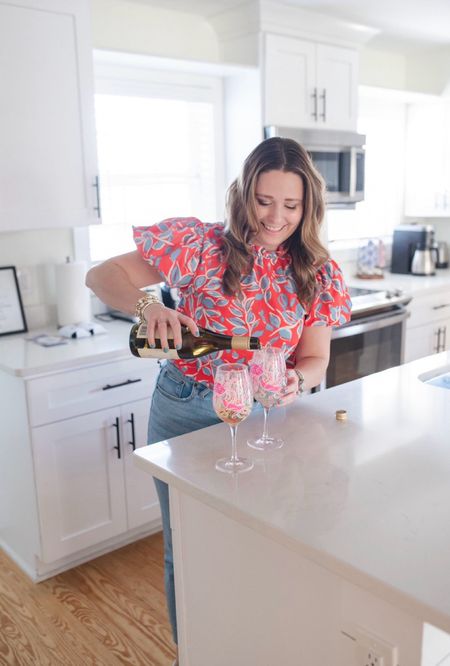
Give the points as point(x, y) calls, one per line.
point(108, 611)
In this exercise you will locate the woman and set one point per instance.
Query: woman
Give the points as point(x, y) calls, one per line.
point(263, 273)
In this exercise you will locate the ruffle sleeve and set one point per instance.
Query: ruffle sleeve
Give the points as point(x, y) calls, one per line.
point(174, 247)
point(332, 305)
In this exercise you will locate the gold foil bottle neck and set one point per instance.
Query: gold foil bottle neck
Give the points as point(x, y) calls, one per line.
point(240, 342)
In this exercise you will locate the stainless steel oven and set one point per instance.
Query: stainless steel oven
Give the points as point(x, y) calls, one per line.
point(374, 338)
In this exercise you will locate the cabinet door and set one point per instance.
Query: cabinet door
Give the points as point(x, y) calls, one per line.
point(444, 336)
point(427, 339)
point(427, 192)
point(47, 131)
point(420, 341)
point(142, 500)
point(337, 87)
point(79, 483)
point(289, 82)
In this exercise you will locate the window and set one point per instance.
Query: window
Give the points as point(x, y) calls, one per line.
point(158, 147)
point(383, 120)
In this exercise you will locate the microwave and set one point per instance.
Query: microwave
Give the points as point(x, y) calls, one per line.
point(339, 156)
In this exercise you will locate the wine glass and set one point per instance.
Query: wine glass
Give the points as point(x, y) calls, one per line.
point(268, 375)
point(233, 402)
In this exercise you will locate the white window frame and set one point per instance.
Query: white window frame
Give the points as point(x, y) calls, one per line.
point(129, 74)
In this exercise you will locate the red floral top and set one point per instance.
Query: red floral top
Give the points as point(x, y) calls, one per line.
point(187, 253)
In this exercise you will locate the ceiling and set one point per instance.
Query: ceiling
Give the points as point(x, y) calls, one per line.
point(403, 24)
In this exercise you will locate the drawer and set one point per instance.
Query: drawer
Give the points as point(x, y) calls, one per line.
point(430, 308)
point(89, 389)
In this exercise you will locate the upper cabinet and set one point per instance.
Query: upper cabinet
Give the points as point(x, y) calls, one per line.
point(309, 84)
point(48, 163)
point(427, 177)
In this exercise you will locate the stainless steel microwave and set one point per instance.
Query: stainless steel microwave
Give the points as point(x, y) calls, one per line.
point(339, 157)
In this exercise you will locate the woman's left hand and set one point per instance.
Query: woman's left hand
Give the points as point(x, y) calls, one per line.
point(291, 388)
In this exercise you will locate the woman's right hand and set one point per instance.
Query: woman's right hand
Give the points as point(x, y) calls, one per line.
point(163, 321)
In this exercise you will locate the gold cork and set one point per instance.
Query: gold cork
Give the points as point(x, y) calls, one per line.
point(341, 415)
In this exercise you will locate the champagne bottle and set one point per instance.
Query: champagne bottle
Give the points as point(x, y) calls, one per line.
point(192, 347)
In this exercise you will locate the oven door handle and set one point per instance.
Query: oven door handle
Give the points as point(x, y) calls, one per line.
point(370, 324)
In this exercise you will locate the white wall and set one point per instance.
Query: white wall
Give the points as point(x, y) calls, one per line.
point(422, 70)
point(138, 28)
point(383, 69)
point(34, 254)
point(429, 71)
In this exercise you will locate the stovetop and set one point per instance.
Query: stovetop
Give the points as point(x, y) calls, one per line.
point(366, 301)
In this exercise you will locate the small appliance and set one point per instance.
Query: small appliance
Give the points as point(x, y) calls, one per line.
point(339, 156)
point(440, 252)
point(423, 262)
point(404, 245)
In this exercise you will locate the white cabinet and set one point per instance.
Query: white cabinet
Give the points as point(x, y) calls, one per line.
point(427, 177)
point(87, 495)
point(432, 337)
point(308, 84)
point(48, 163)
point(88, 487)
point(79, 484)
point(428, 339)
point(141, 498)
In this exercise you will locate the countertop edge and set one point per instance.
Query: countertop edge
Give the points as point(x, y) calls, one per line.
point(56, 367)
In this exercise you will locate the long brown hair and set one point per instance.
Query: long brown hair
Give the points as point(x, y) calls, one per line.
point(241, 225)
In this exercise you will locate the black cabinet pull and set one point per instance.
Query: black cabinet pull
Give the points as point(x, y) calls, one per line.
point(133, 439)
point(116, 425)
point(128, 381)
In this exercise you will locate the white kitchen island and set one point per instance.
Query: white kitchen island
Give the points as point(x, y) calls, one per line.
point(338, 539)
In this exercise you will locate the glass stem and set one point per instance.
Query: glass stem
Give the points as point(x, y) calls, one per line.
point(265, 434)
point(234, 457)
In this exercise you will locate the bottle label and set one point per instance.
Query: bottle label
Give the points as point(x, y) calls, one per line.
point(146, 352)
point(142, 330)
point(157, 353)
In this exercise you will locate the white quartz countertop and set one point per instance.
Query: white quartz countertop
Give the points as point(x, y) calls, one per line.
point(412, 284)
point(368, 498)
point(24, 358)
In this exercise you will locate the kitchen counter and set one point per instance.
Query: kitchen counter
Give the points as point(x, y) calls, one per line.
point(24, 358)
point(366, 500)
point(412, 284)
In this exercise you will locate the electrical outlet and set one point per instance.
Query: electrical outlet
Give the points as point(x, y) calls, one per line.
point(370, 649)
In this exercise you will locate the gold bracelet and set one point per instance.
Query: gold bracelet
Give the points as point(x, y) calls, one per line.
point(301, 381)
point(147, 299)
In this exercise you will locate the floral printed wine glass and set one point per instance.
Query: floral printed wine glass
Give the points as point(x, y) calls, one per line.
point(233, 401)
point(268, 375)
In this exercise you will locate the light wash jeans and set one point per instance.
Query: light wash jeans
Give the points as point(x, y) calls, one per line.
point(179, 405)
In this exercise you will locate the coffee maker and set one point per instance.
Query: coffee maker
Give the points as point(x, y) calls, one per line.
point(407, 239)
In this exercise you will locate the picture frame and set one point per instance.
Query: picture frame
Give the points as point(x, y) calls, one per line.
point(12, 314)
